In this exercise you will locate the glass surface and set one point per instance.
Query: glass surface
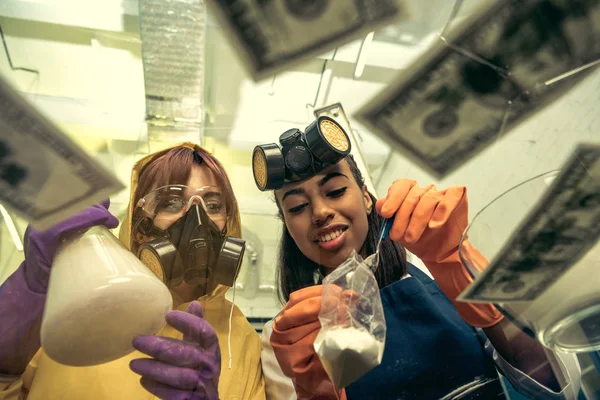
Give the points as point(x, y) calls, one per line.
point(82, 65)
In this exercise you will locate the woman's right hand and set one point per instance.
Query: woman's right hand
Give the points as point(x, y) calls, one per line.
point(293, 337)
point(23, 294)
point(41, 247)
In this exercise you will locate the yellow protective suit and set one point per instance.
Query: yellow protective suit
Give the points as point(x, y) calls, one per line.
point(45, 379)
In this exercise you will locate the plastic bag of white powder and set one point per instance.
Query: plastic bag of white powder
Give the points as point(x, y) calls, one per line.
point(352, 336)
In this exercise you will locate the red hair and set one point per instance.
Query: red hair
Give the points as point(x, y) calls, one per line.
point(174, 168)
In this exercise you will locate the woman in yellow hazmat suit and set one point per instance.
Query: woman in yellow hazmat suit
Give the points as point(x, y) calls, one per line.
point(171, 179)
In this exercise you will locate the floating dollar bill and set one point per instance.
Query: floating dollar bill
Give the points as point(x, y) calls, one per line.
point(492, 70)
point(555, 235)
point(44, 176)
point(336, 111)
point(271, 35)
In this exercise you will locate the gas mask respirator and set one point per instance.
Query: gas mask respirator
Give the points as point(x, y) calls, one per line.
point(193, 249)
point(300, 155)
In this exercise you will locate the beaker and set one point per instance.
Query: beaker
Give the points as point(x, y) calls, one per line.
point(563, 312)
point(100, 296)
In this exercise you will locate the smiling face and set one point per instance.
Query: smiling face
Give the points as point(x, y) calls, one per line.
point(326, 215)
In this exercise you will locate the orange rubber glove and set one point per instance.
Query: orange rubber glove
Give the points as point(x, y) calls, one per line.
point(293, 337)
point(430, 223)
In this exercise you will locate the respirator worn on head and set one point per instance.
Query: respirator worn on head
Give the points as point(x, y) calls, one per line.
point(192, 249)
point(300, 155)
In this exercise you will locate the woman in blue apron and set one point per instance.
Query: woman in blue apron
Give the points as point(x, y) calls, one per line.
point(432, 348)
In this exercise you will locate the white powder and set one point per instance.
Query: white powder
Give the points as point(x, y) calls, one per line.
point(348, 353)
point(99, 298)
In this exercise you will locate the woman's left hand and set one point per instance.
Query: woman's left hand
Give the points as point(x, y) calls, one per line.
point(181, 369)
point(430, 224)
point(427, 221)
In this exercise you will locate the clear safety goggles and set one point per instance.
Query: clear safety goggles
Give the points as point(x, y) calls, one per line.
point(173, 201)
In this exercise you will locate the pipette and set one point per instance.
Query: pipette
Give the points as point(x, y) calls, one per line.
point(385, 229)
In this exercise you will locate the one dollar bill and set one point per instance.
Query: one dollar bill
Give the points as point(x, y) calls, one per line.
point(44, 176)
point(555, 235)
point(272, 35)
point(496, 68)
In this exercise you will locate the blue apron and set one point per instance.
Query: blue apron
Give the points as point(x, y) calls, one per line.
point(429, 350)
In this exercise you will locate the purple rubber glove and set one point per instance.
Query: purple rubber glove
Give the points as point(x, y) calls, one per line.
point(23, 294)
point(40, 247)
point(185, 369)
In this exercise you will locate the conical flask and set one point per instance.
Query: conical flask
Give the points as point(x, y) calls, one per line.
point(100, 296)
